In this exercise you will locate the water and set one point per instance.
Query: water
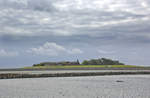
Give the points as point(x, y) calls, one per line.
point(123, 86)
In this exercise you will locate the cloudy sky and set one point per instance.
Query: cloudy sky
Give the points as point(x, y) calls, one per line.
point(33, 31)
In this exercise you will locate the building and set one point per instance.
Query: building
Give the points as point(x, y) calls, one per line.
point(58, 63)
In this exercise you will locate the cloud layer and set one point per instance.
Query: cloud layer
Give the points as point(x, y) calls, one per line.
point(75, 17)
point(4, 53)
point(89, 28)
point(53, 49)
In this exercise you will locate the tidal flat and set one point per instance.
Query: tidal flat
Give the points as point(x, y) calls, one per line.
point(115, 86)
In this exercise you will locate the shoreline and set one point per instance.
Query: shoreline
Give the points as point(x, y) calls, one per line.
point(70, 74)
point(80, 68)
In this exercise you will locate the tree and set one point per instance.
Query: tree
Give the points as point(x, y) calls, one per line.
point(85, 62)
point(102, 61)
point(36, 65)
point(93, 62)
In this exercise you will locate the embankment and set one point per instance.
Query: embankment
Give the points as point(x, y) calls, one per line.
point(71, 74)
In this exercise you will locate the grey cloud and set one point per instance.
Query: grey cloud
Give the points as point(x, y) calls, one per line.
point(87, 24)
point(37, 5)
point(29, 22)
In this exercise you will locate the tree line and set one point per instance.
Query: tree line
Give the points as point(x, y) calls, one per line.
point(101, 61)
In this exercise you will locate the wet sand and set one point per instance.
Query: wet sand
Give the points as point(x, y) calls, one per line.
point(115, 86)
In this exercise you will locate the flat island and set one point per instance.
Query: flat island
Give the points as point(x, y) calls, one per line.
point(93, 67)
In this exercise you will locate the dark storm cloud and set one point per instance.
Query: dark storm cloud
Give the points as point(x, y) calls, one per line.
point(85, 24)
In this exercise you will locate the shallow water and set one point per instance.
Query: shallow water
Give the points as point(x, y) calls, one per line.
point(121, 86)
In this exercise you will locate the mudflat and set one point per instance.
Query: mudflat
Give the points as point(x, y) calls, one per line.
point(115, 86)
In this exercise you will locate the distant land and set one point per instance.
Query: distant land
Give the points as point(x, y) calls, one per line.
point(92, 63)
point(93, 67)
point(100, 61)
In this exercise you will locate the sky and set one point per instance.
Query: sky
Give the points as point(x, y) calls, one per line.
point(34, 31)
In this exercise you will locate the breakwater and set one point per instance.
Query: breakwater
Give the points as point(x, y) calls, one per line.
point(69, 74)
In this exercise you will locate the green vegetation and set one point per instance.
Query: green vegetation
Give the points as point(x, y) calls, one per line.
point(102, 61)
point(81, 66)
point(93, 63)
